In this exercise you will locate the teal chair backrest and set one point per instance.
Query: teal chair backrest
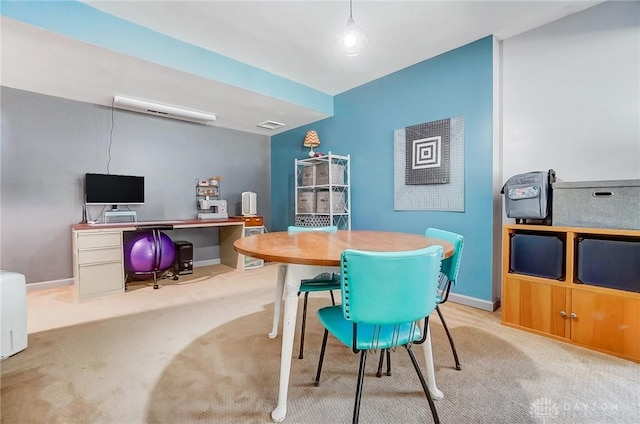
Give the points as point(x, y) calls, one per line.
point(450, 265)
point(389, 288)
point(328, 229)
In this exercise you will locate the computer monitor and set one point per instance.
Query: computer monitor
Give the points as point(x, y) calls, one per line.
point(107, 189)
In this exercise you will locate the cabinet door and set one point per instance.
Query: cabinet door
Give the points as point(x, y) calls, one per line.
point(533, 305)
point(606, 322)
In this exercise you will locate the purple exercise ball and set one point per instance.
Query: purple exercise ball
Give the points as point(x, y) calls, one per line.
point(140, 253)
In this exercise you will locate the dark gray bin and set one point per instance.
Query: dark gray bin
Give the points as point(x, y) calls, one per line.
point(539, 255)
point(597, 204)
point(609, 262)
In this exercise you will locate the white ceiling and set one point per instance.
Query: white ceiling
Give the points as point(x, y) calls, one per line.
point(291, 39)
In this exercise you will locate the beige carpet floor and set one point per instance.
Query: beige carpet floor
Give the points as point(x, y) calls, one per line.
point(196, 351)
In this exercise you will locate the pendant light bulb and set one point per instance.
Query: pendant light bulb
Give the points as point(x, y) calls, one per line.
point(352, 40)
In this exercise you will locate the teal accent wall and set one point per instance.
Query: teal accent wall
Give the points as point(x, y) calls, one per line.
point(456, 83)
point(85, 23)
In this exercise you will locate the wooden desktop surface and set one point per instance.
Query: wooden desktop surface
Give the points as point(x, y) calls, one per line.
point(322, 248)
point(181, 223)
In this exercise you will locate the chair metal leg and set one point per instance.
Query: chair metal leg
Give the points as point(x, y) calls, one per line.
point(382, 353)
point(388, 362)
point(432, 405)
point(453, 346)
point(333, 301)
point(157, 250)
point(356, 406)
point(324, 346)
point(304, 322)
point(380, 362)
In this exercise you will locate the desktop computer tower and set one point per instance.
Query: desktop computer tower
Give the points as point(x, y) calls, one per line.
point(183, 260)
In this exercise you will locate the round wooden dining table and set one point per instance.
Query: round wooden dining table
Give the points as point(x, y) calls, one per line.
point(306, 254)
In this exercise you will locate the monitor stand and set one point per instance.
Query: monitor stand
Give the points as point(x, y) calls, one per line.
point(115, 215)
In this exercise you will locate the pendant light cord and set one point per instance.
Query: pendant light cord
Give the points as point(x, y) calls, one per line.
point(350, 9)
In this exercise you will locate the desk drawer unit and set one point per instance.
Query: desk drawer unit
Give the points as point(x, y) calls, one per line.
point(98, 264)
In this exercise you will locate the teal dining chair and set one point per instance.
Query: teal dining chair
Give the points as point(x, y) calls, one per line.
point(322, 282)
point(448, 277)
point(384, 297)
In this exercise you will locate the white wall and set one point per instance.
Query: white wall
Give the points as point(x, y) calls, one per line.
point(571, 96)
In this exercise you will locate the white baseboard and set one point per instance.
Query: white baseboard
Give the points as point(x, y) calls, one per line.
point(44, 285)
point(207, 262)
point(474, 302)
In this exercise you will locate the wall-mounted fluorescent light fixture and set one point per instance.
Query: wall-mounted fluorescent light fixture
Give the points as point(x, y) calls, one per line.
point(166, 111)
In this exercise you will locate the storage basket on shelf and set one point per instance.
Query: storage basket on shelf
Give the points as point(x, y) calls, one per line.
point(307, 202)
point(325, 197)
point(597, 204)
point(322, 173)
point(312, 220)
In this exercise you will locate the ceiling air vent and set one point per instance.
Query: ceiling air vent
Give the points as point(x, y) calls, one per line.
point(270, 125)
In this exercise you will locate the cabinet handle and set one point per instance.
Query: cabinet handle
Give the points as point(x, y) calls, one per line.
point(600, 194)
point(563, 314)
point(573, 316)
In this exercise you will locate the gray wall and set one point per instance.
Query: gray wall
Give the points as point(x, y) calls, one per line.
point(49, 143)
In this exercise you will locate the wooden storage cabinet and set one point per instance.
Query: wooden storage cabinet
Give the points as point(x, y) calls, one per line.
point(599, 318)
point(97, 263)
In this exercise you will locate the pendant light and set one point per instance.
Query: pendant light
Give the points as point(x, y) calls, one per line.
point(352, 40)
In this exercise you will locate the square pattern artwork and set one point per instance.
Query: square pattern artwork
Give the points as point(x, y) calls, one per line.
point(427, 153)
point(429, 166)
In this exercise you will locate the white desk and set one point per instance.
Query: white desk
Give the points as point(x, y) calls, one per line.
point(98, 261)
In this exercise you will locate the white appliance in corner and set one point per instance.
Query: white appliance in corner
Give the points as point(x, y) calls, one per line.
point(249, 203)
point(13, 313)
